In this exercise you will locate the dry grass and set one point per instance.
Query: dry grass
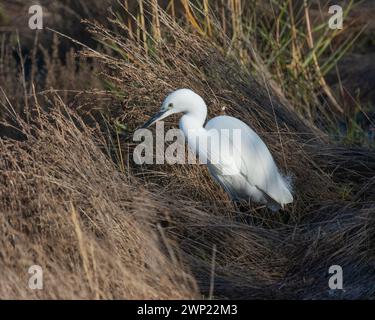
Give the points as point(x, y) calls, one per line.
point(80, 219)
point(102, 227)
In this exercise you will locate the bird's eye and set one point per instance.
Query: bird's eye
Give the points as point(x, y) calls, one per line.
point(170, 106)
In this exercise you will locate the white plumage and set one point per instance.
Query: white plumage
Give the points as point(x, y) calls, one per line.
point(244, 168)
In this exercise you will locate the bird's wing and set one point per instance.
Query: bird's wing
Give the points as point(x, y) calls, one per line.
point(257, 164)
point(213, 169)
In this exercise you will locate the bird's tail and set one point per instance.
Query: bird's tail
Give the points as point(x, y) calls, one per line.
point(285, 190)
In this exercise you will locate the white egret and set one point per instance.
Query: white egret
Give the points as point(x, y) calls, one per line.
point(253, 174)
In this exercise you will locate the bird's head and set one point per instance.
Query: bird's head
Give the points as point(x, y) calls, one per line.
point(180, 101)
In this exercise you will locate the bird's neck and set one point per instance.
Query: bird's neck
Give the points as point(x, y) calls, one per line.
point(191, 122)
point(194, 118)
point(192, 127)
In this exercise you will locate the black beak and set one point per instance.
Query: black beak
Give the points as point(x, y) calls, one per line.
point(153, 119)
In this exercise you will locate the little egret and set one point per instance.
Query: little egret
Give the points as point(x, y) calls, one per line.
point(256, 176)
